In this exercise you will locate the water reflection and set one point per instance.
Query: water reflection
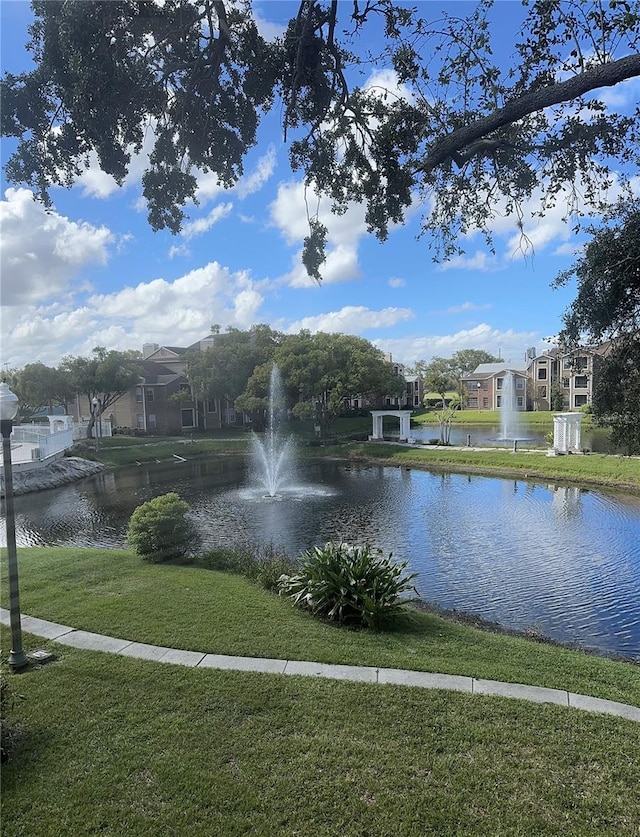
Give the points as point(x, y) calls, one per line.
point(560, 559)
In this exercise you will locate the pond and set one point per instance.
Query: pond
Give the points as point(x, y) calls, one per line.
point(564, 561)
point(595, 439)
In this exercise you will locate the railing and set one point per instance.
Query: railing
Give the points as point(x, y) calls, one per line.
point(101, 429)
point(32, 444)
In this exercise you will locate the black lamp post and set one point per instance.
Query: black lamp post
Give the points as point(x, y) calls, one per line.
point(8, 411)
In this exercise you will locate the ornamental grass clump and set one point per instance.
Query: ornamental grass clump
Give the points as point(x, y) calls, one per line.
point(160, 531)
point(353, 585)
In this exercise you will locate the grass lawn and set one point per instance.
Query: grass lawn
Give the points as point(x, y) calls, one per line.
point(114, 592)
point(594, 469)
point(542, 419)
point(116, 746)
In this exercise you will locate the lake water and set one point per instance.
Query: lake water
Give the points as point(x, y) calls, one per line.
point(562, 560)
point(596, 439)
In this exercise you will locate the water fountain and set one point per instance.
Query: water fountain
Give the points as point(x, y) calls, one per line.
point(510, 425)
point(272, 458)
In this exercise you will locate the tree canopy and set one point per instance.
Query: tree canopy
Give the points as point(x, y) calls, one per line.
point(607, 308)
point(37, 386)
point(106, 376)
point(461, 133)
point(327, 369)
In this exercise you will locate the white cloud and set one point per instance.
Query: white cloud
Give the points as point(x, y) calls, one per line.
point(97, 184)
point(289, 214)
point(466, 306)
point(269, 31)
point(510, 344)
point(42, 253)
point(569, 248)
point(204, 224)
point(481, 260)
point(352, 319)
point(261, 174)
point(178, 250)
point(178, 312)
point(396, 282)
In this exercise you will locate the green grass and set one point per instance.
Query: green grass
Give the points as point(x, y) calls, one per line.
point(114, 592)
point(542, 419)
point(594, 469)
point(116, 746)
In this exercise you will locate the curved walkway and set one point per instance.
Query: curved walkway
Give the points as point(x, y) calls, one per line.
point(361, 674)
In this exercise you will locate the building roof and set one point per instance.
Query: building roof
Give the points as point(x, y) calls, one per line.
point(487, 370)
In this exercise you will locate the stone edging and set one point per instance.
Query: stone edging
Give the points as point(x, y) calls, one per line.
point(360, 674)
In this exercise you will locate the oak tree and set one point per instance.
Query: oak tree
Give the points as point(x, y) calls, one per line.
point(607, 308)
point(461, 133)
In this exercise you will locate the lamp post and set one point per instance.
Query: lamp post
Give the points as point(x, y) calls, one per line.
point(97, 425)
point(8, 411)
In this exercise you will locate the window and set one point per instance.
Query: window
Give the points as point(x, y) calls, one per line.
point(485, 402)
point(187, 418)
point(185, 391)
point(139, 421)
point(212, 405)
point(580, 400)
point(473, 403)
point(499, 401)
point(565, 383)
point(139, 394)
point(565, 402)
point(542, 392)
point(499, 383)
point(581, 381)
point(151, 421)
point(580, 364)
point(416, 400)
point(150, 395)
point(542, 374)
point(520, 402)
point(519, 383)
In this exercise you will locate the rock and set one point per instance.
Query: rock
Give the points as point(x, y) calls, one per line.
point(62, 471)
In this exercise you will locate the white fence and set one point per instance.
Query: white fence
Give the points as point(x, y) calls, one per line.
point(30, 443)
point(101, 429)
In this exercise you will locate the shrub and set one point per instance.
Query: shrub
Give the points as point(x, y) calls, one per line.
point(349, 584)
point(159, 529)
point(262, 565)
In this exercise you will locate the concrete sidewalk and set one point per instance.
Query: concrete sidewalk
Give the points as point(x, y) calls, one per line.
point(360, 674)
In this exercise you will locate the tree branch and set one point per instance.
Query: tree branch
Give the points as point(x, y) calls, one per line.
point(606, 75)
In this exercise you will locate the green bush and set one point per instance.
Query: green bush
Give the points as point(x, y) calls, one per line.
point(263, 565)
point(353, 585)
point(159, 529)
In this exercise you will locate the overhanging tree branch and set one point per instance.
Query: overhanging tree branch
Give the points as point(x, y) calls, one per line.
point(466, 142)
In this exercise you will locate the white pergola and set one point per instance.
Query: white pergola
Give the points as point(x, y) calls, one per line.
point(566, 432)
point(405, 423)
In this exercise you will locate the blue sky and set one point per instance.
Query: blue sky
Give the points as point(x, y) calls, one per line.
point(91, 272)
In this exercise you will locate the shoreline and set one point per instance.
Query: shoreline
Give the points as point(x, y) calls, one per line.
point(473, 620)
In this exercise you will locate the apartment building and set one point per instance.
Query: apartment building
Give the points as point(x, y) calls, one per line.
point(484, 387)
point(567, 374)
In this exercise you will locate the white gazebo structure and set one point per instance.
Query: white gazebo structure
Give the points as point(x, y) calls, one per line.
point(405, 423)
point(566, 433)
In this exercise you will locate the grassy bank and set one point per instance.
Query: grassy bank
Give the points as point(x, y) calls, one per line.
point(118, 746)
point(540, 419)
point(113, 745)
point(114, 592)
point(595, 469)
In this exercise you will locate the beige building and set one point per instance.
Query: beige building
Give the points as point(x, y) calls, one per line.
point(570, 374)
point(484, 386)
